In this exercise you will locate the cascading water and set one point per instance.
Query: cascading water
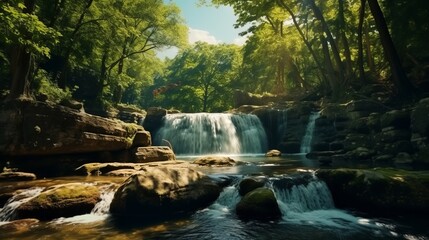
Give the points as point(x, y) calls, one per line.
point(306, 140)
point(7, 212)
point(211, 133)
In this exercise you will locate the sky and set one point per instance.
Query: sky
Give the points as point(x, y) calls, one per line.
point(207, 24)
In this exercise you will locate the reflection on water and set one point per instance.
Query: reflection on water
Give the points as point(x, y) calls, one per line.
point(308, 211)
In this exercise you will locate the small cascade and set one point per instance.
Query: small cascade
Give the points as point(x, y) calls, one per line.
point(303, 198)
point(8, 211)
point(211, 133)
point(308, 137)
point(98, 213)
point(107, 194)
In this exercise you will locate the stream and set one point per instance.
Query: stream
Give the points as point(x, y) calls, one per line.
point(308, 211)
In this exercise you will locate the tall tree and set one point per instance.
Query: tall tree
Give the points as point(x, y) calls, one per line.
point(402, 84)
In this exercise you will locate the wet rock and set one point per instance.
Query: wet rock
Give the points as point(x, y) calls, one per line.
point(64, 200)
point(273, 153)
point(215, 161)
point(399, 119)
point(419, 118)
point(17, 176)
point(379, 191)
point(403, 158)
point(259, 204)
point(163, 192)
point(154, 154)
point(249, 184)
point(73, 104)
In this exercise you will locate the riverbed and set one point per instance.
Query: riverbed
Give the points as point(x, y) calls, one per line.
point(308, 211)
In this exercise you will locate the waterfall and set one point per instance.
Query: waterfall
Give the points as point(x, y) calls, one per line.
point(8, 210)
point(303, 198)
point(306, 140)
point(211, 133)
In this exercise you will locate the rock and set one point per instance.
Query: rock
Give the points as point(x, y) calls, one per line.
point(38, 128)
point(73, 104)
point(335, 146)
point(354, 140)
point(403, 158)
point(122, 172)
point(365, 105)
point(154, 154)
point(334, 112)
point(163, 192)
point(394, 135)
point(64, 200)
point(383, 159)
point(153, 120)
point(320, 146)
point(419, 118)
point(4, 197)
point(249, 184)
point(142, 139)
point(379, 191)
point(259, 204)
point(17, 176)
point(399, 119)
point(273, 153)
point(215, 161)
point(360, 153)
point(290, 147)
point(96, 169)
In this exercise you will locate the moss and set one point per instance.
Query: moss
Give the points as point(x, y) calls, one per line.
point(381, 190)
point(65, 192)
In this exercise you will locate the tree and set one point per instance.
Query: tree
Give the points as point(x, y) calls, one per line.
point(402, 84)
point(202, 76)
point(25, 37)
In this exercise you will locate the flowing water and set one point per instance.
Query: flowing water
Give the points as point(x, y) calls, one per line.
point(308, 211)
point(305, 202)
point(212, 133)
point(308, 137)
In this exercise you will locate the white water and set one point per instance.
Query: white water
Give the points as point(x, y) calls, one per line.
point(308, 137)
point(100, 211)
point(212, 133)
point(7, 212)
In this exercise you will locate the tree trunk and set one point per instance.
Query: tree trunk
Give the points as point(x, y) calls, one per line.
point(333, 85)
point(403, 85)
point(21, 63)
point(360, 41)
point(369, 57)
point(347, 54)
point(336, 54)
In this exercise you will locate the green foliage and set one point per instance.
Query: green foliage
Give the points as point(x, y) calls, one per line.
point(25, 29)
point(43, 85)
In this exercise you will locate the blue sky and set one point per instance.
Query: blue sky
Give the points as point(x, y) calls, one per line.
point(207, 24)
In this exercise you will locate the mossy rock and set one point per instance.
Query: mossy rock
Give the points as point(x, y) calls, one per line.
point(60, 201)
point(249, 184)
point(260, 204)
point(379, 191)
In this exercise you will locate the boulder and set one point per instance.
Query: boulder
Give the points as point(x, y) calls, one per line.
point(259, 204)
point(215, 161)
point(399, 119)
point(17, 176)
point(142, 139)
point(379, 191)
point(162, 192)
point(419, 118)
point(249, 184)
point(64, 200)
point(154, 154)
point(273, 153)
point(38, 128)
point(365, 105)
point(153, 120)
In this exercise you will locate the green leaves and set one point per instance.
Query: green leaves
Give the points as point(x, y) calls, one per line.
point(26, 30)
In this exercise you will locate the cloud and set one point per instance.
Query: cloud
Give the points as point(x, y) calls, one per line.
point(241, 40)
point(196, 35)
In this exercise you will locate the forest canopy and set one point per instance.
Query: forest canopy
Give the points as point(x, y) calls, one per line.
point(104, 52)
